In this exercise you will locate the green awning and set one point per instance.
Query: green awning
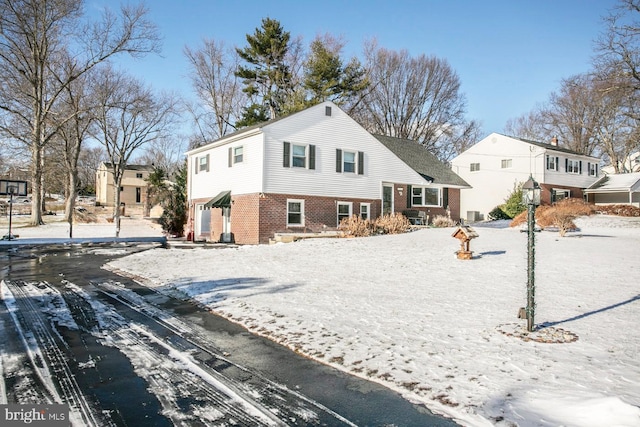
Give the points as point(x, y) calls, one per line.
point(222, 200)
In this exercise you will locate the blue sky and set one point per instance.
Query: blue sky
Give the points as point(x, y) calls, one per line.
point(509, 54)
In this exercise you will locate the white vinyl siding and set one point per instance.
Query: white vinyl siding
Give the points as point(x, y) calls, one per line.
point(329, 134)
point(246, 178)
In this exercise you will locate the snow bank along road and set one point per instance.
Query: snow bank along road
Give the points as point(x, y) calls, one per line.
point(117, 359)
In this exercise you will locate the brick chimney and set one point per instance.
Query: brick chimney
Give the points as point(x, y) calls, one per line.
point(554, 141)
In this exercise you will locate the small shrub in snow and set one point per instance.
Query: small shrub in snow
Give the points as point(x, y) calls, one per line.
point(497, 214)
point(394, 223)
point(442, 221)
point(560, 215)
point(620, 210)
point(355, 226)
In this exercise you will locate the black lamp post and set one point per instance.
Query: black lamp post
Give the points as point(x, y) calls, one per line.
point(531, 198)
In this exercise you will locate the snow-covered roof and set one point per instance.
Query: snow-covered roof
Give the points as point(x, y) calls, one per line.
point(616, 182)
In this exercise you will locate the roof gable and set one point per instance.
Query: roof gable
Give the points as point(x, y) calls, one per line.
point(417, 157)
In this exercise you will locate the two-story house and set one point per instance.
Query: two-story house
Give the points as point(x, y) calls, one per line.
point(132, 190)
point(305, 173)
point(497, 164)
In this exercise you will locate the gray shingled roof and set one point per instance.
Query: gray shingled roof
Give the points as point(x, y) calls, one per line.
point(422, 161)
point(549, 146)
point(133, 167)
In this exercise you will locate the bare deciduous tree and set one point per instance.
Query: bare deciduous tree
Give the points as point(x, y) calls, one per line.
point(129, 115)
point(413, 98)
point(77, 112)
point(573, 114)
point(165, 152)
point(44, 46)
point(218, 89)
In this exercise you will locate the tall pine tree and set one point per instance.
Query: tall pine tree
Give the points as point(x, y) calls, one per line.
point(267, 77)
point(327, 78)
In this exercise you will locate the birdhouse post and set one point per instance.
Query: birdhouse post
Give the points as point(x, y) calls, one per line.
point(464, 234)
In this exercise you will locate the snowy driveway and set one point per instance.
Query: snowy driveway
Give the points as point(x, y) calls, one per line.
point(122, 356)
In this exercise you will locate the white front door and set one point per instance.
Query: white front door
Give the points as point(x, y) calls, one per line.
point(226, 225)
point(202, 223)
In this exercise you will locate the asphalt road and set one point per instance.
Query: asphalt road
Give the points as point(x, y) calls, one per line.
point(120, 354)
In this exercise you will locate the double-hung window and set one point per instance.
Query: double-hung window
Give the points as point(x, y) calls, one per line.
point(349, 161)
point(506, 163)
point(365, 210)
point(344, 211)
point(593, 169)
point(552, 163)
point(573, 166)
point(238, 154)
point(299, 156)
point(202, 164)
point(295, 212)
point(474, 167)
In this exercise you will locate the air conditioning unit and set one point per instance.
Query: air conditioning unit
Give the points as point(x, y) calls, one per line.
point(473, 216)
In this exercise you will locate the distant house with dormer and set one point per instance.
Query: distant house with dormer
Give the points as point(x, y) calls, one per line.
point(498, 163)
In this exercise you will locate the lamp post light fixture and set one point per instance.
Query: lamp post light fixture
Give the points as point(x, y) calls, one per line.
point(531, 198)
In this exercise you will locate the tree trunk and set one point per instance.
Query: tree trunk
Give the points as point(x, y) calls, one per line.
point(72, 193)
point(36, 185)
point(116, 205)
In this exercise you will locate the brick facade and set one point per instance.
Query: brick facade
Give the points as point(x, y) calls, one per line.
point(546, 192)
point(255, 218)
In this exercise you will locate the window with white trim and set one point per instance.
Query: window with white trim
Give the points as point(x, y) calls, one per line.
point(365, 210)
point(425, 196)
point(573, 166)
point(552, 163)
point(138, 175)
point(593, 169)
point(474, 167)
point(348, 161)
point(506, 163)
point(238, 154)
point(344, 211)
point(299, 155)
point(203, 164)
point(295, 212)
point(558, 194)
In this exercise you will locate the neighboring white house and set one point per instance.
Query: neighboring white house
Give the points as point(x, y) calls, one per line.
point(621, 189)
point(306, 172)
point(498, 163)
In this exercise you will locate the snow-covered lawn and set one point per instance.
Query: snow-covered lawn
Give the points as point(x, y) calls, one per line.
point(403, 311)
